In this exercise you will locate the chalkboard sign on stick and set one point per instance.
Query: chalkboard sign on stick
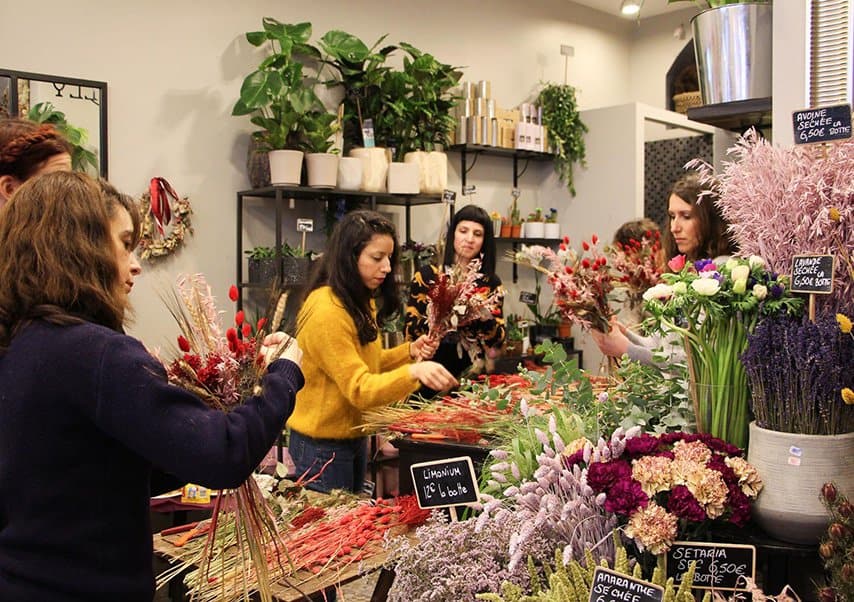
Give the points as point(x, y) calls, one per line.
point(610, 586)
point(822, 124)
point(444, 483)
point(527, 297)
point(812, 274)
point(719, 566)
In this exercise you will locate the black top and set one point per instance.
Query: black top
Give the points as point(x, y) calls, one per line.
point(86, 412)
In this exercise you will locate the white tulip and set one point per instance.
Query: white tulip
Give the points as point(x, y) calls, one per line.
point(661, 292)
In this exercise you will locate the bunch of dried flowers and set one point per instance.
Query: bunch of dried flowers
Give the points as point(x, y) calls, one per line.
point(837, 546)
point(798, 373)
point(581, 282)
point(637, 265)
point(662, 484)
point(781, 202)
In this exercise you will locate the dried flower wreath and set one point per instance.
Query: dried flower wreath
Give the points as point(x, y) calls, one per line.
point(152, 244)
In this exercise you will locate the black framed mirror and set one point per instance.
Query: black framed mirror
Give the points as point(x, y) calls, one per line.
point(83, 102)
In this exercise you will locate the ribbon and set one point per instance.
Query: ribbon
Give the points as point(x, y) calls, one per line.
point(161, 193)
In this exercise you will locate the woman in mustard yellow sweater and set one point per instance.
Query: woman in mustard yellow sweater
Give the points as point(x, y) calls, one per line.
point(345, 367)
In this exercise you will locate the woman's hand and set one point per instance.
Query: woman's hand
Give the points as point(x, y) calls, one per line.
point(613, 343)
point(433, 375)
point(423, 348)
point(280, 345)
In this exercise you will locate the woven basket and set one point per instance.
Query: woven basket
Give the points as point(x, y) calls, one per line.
point(686, 100)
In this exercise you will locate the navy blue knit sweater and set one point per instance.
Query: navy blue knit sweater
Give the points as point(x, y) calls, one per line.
point(84, 414)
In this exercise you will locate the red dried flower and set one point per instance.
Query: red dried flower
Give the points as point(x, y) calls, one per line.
point(183, 343)
point(233, 293)
point(239, 317)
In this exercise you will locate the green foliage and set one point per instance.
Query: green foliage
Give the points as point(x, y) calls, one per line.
point(82, 158)
point(279, 97)
point(566, 130)
point(261, 253)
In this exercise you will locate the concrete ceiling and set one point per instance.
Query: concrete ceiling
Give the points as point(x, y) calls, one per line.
point(650, 8)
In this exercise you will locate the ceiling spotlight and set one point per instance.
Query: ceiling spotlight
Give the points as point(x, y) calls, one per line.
point(630, 8)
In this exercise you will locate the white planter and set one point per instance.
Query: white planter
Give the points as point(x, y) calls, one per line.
point(793, 469)
point(551, 230)
point(285, 167)
point(349, 173)
point(535, 229)
point(374, 167)
point(403, 178)
point(322, 170)
point(433, 170)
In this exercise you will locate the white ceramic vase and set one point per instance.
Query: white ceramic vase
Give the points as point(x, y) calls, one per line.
point(322, 170)
point(285, 167)
point(535, 229)
point(551, 230)
point(349, 173)
point(403, 178)
point(374, 167)
point(793, 469)
point(433, 170)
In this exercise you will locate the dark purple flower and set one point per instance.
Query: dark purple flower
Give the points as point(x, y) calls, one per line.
point(573, 459)
point(739, 504)
point(641, 445)
point(717, 463)
point(702, 264)
point(624, 497)
point(601, 476)
point(776, 291)
point(684, 505)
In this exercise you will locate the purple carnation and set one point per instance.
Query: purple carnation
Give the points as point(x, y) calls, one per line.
point(719, 445)
point(573, 459)
point(717, 463)
point(739, 503)
point(601, 476)
point(641, 445)
point(624, 497)
point(684, 505)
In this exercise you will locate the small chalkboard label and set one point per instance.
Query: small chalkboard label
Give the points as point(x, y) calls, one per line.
point(822, 124)
point(444, 483)
point(812, 274)
point(527, 297)
point(449, 196)
point(719, 566)
point(305, 224)
point(469, 189)
point(610, 586)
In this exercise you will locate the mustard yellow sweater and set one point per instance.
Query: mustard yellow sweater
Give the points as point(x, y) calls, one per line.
point(343, 377)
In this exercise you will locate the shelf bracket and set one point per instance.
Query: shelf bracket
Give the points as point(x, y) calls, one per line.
point(519, 174)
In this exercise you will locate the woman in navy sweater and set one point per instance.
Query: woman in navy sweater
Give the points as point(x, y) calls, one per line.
point(87, 411)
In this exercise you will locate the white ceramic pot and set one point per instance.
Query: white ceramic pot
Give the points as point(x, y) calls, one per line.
point(551, 230)
point(322, 170)
point(535, 229)
point(349, 173)
point(433, 170)
point(403, 178)
point(793, 469)
point(285, 167)
point(496, 227)
point(374, 167)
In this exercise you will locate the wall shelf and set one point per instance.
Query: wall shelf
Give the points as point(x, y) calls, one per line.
point(735, 116)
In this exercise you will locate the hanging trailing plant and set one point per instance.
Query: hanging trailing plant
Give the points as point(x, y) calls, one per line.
point(566, 130)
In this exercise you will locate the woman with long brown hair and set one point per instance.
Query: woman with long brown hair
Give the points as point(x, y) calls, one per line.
point(87, 411)
point(28, 149)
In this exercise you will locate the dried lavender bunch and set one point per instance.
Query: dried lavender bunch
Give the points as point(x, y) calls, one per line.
point(557, 507)
point(452, 562)
point(790, 201)
point(797, 370)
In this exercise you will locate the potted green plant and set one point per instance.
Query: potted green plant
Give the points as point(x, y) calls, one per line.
point(515, 335)
point(278, 99)
point(82, 157)
point(263, 265)
point(565, 129)
point(732, 43)
point(552, 228)
point(321, 158)
point(361, 71)
point(535, 225)
point(296, 264)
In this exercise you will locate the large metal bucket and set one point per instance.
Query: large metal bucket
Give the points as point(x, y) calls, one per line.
point(732, 45)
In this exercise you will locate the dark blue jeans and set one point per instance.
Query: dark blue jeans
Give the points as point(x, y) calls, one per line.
point(347, 470)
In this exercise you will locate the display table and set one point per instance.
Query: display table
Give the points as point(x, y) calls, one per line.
point(308, 583)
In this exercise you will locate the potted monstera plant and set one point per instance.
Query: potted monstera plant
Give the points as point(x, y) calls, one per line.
point(278, 99)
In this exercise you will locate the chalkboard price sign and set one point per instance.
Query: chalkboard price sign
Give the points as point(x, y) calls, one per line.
point(449, 196)
point(719, 566)
point(812, 274)
point(822, 124)
point(527, 297)
point(610, 586)
point(444, 483)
